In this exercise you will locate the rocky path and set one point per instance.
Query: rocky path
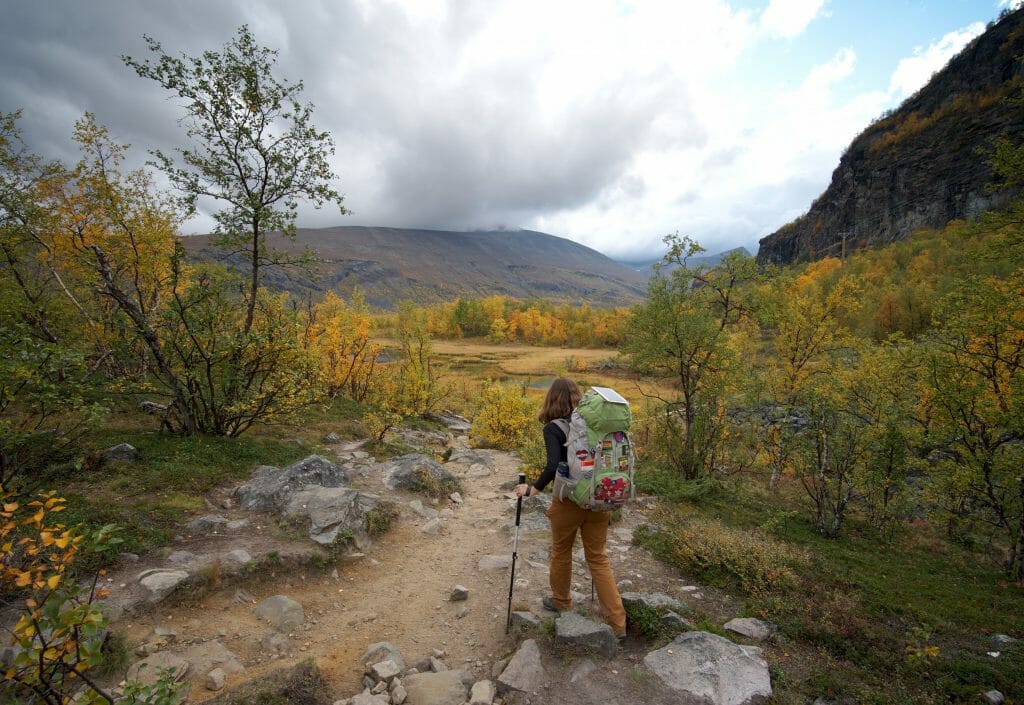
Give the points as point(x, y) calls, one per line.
point(397, 589)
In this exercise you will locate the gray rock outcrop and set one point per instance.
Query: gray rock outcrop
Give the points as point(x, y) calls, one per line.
point(524, 672)
point(749, 627)
point(330, 510)
point(411, 472)
point(575, 629)
point(124, 452)
point(271, 488)
point(653, 600)
point(707, 667)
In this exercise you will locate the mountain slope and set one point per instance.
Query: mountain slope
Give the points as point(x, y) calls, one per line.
point(426, 266)
point(924, 164)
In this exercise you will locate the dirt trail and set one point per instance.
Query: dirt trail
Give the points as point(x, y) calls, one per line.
point(397, 590)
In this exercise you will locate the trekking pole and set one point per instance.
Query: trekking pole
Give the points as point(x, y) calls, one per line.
point(515, 548)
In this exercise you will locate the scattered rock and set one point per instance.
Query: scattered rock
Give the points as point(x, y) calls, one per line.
point(537, 503)
point(283, 613)
point(206, 656)
point(529, 523)
point(584, 669)
point(625, 585)
point(455, 497)
point(468, 456)
point(495, 562)
point(412, 471)
point(210, 522)
point(482, 693)
point(654, 601)
point(382, 651)
point(674, 621)
point(123, 452)
point(331, 439)
point(437, 665)
point(276, 643)
point(368, 699)
point(573, 628)
point(237, 524)
point(385, 671)
point(432, 527)
point(708, 667)
point(399, 694)
point(459, 593)
point(750, 628)
point(239, 556)
point(1003, 640)
point(270, 488)
point(451, 420)
point(525, 621)
point(479, 470)
point(183, 558)
point(161, 583)
point(524, 672)
point(149, 669)
point(445, 688)
point(425, 512)
point(215, 679)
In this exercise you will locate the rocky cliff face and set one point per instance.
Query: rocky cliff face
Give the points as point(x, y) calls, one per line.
point(923, 165)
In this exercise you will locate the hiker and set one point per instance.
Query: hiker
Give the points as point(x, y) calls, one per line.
point(567, 518)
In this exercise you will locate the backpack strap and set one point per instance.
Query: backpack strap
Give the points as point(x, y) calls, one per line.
point(563, 424)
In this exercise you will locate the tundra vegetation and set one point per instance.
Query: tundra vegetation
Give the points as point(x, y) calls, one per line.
point(840, 443)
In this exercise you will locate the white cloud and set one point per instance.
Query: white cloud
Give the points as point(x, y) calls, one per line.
point(914, 71)
point(1010, 4)
point(788, 18)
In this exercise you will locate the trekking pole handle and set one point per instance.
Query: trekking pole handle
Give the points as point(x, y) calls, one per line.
point(519, 504)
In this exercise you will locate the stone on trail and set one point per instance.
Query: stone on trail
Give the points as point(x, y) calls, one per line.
point(530, 523)
point(283, 613)
point(270, 488)
point(161, 583)
point(654, 600)
point(330, 510)
point(584, 669)
point(444, 688)
point(524, 671)
point(482, 693)
point(125, 452)
point(708, 667)
point(238, 555)
point(383, 651)
point(409, 472)
point(209, 522)
point(207, 655)
point(525, 621)
point(425, 512)
point(148, 670)
point(276, 643)
point(674, 621)
point(468, 456)
point(237, 524)
point(575, 629)
point(399, 694)
point(215, 679)
point(479, 470)
point(368, 699)
point(495, 562)
point(432, 527)
point(455, 497)
point(459, 592)
point(385, 670)
point(749, 627)
point(437, 665)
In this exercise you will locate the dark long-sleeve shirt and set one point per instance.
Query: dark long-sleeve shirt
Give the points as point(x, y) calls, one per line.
point(554, 446)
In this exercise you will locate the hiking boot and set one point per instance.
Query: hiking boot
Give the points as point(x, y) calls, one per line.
point(549, 604)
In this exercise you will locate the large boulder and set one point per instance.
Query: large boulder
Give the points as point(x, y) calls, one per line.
point(418, 473)
point(575, 629)
point(271, 488)
point(330, 510)
point(706, 667)
point(444, 688)
point(524, 672)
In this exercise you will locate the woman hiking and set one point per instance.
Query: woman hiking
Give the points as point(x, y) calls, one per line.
point(567, 518)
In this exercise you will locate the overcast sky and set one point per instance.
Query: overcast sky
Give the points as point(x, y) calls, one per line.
point(610, 122)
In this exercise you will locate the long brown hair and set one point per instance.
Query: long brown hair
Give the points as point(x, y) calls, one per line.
point(562, 398)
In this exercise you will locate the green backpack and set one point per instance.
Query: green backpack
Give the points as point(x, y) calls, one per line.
point(598, 473)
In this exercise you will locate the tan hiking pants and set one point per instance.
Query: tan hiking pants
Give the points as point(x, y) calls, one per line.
point(566, 518)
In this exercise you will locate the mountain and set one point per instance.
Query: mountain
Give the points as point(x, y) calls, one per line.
point(430, 266)
point(924, 164)
point(646, 266)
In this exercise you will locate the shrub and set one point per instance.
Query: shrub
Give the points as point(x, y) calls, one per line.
point(503, 418)
point(760, 564)
point(380, 518)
